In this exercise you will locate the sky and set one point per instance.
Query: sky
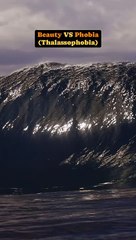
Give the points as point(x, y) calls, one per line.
point(19, 19)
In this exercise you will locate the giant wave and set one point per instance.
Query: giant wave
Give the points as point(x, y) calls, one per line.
point(68, 126)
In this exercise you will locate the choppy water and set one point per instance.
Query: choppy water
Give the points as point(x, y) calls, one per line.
point(103, 214)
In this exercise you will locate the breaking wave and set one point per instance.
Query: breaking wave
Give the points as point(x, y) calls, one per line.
point(70, 126)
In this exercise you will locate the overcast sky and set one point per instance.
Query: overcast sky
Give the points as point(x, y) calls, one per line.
point(20, 18)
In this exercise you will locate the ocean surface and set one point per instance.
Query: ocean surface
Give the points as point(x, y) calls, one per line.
point(69, 215)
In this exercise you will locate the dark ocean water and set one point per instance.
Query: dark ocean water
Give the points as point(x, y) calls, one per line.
point(70, 126)
point(71, 215)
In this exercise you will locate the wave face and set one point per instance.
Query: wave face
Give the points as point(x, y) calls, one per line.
point(68, 125)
